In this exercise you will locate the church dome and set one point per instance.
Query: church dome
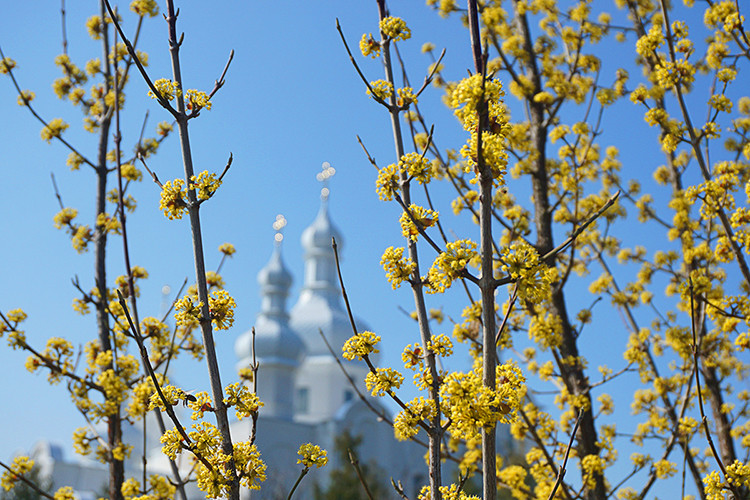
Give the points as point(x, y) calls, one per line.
point(275, 341)
point(316, 238)
point(320, 308)
point(275, 276)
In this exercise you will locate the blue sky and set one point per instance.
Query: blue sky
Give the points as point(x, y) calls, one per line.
point(292, 101)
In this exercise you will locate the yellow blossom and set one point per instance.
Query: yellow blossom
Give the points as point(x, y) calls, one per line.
point(395, 28)
point(381, 89)
point(227, 249)
point(360, 345)
point(417, 218)
point(206, 184)
point(172, 200)
point(369, 46)
point(144, 7)
point(167, 89)
point(383, 380)
point(6, 65)
point(397, 268)
point(312, 455)
point(53, 129)
point(450, 264)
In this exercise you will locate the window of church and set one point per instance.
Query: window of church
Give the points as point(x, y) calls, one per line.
point(302, 400)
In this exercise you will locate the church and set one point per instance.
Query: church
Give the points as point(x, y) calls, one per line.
point(306, 395)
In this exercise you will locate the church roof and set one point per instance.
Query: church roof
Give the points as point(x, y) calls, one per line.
point(320, 307)
point(275, 341)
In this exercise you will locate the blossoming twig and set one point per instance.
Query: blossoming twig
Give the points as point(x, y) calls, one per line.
point(704, 419)
point(135, 334)
point(164, 102)
point(36, 115)
point(561, 472)
point(552, 253)
point(355, 463)
point(372, 92)
point(26, 481)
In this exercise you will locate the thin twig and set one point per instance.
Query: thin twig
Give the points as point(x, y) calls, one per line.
point(581, 228)
point(36, 115)
point(355, 463)
point(704, 419)
point(29, 483)
point(399, 489)
point(561, 472)
point(149, 369)
point(302, 474)
point(359, 71)
point(164, 103)
point(220, 82)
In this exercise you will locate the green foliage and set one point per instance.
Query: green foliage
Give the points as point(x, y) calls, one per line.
point(344, 484)
point(23, 491)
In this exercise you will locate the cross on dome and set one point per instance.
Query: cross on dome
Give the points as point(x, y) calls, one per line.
point(278, 225)
point(326, 172)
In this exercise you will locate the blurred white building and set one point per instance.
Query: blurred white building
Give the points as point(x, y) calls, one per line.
point(306, 396)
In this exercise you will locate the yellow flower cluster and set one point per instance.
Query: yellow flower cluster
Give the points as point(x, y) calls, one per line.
point(417, 218)
point(205, 183)
point(397, 268)
point(21, 465)
point(245, 402)
point(592, 465)
point(221, 307)
point(369, 46)
point(452, 492)
point(470, 94)
point(471, 406)
point(383, 380)
point(417, 167)
point(64, 493)
point(160, 488)
point(405, 425)
point(250, 467)
point(58, 352)
point(468, 98)
point(449, 265)
point(545, 329)
point(440, 345)
point(406, 97)
point(206, 442)
point(53, 129)
point(311, 455)
point(197, 99)
point(360, 345)
point(522, 264)
point(387, 182)
point(108, 224)
point(187, 313)
point(395, 28)
point(64, 217)
point(6, 65)
point(130, 172)
point(167, 89)
point(144, 7)
point(381, 89)
point(25, 97)
point(172, 200)
point(738, 475)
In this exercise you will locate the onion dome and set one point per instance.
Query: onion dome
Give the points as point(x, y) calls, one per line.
point(320, 307)
point(275, 341)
